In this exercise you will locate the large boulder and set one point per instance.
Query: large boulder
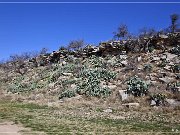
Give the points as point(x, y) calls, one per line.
point(169, 56)
point(173, 102)
point(131, 105)
point(163, 36)
point(123, 94)
point(109, 110)
point(166, 80)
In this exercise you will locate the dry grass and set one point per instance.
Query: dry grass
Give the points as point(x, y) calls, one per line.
point(52, 121)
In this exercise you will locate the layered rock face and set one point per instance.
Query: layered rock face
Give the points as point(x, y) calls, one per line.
point(160, 42)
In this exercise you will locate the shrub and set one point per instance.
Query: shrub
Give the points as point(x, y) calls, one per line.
point(62, 48)
point(23, 87)
point(91, 87)
point(43, 51)
point(147, 67)
point(122, 32)
point(173, 87)
point(174, 22)
point(158, 98)
point(176, 68)
point(96, 61)
point(133, 46)
point(88, 82)
point(151, 48)
point(137, 87)
point(76, 44)
point(68, 94)
point(16, 87)
point(147, 32)
point(68, 81)
point(55, 75)
point(177, 76)
point(59, 70)
point(18, 61)
point(163, 63)
point(114, 61)
point(102, 74)
point(176, 50)
point(91, 82)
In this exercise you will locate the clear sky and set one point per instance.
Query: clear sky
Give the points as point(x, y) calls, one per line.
point(30, 27)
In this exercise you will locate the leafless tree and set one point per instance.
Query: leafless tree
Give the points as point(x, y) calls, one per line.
point(174, 22)
point(76, 44)
point(122, 32)
point(43, 51)
point(147, 32)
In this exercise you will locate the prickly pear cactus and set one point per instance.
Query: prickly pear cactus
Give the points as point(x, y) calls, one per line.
point(176, 50)
point(137, 87)
point(158, 98)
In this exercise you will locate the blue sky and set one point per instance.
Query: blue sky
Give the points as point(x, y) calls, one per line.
point(30, 27)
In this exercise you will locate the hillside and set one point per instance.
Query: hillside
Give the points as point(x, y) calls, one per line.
point(133, 84)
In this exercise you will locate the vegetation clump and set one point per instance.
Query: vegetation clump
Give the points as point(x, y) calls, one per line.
point(147, 67)
point(137, 87)
point(19, 86)
point(174, 86)
point(176, 68)
point(159, 98)
point(122, 32)
point(68, 94)
point(90, 83)
point(176, 50)
point(96, 61)
point(76, 44)
point(174, 22)
point(98, 73)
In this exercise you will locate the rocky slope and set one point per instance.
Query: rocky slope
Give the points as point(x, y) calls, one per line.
point(133, 73)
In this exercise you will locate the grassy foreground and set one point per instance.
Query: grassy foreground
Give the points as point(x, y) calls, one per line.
point(46, 119)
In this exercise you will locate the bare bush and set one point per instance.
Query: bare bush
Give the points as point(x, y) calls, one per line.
point(76, 44)
point(147, 32)
point(174, 22)
point(122, 32)
point(43, 51)
point(17, 62)
point(62, 48)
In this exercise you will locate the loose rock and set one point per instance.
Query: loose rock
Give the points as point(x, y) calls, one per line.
point(123, 94)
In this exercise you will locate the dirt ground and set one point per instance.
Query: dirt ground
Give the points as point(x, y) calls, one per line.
point(8, 128)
